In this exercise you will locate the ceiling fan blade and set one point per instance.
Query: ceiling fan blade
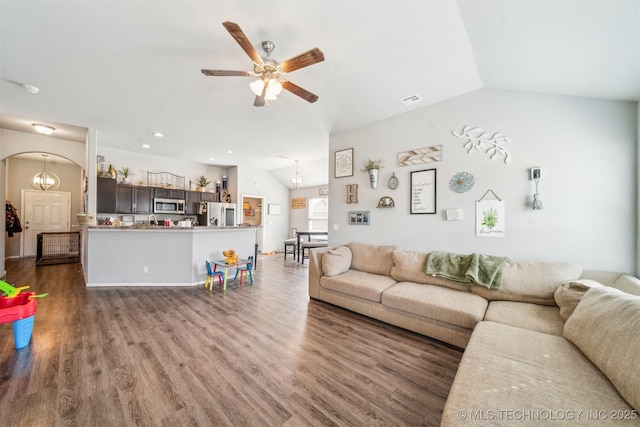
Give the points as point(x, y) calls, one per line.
point(303, 60)
point(226, 73)
point(297, 90)
point(243, 41)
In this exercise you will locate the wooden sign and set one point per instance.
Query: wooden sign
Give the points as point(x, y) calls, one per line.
point(420, 156)
point(298, 203)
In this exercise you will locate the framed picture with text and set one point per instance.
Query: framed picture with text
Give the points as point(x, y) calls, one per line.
point(343, 163)
point(423, 192)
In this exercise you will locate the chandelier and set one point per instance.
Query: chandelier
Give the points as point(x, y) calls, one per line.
point(296, 179)
point(45, 179)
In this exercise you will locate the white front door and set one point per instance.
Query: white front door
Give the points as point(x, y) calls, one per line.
point(44, 211)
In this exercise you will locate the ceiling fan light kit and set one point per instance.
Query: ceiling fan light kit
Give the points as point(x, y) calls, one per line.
point(270, 72)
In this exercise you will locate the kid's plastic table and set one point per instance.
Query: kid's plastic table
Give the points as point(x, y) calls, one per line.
point(21, 310)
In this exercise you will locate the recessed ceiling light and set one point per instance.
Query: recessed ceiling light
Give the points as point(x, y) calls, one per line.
point(31, 88)
point(229, 152)
point(158, 135)
point(43, 129)
point(145, 146)
point(211, 159)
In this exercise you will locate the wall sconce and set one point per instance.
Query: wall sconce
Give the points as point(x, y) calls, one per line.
point(535, 176)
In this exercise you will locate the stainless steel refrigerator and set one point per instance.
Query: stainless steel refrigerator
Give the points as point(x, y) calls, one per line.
point(217, 214)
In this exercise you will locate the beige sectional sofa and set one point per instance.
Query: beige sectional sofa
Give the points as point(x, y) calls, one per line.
point(555, 344)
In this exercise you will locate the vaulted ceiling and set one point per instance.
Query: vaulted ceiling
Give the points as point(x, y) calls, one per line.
point(129, 69)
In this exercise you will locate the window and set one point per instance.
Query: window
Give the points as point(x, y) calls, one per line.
point(319, 214)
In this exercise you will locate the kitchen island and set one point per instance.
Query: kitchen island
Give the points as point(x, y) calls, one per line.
point(158, 256)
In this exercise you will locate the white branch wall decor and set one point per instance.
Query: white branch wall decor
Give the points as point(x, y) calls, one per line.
point(477, 139)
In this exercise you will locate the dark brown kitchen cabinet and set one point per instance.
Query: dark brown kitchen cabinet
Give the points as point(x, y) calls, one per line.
point(106, 195)
point(192, 199)
point(166, 193)
point(209, 197)
point(131, 199)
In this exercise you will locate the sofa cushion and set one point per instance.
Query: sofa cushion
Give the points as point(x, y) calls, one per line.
point(604, 326)
point(409, 267)
point(336, 261)
point(627, 283)
point(535, 317)
point(358, 284)
point(569, 294)
point(436, 302)
point(374, 259)
point(531, 281)
point(505, 369)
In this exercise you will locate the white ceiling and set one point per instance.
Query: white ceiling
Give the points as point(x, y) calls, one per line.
point(131, 68)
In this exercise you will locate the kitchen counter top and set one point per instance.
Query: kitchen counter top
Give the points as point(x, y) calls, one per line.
point(158, 255)
point(146, 227)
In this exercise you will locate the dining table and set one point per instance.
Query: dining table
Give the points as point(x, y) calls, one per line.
point(309, 233)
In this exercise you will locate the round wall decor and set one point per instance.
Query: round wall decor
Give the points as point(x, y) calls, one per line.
point(461, 182)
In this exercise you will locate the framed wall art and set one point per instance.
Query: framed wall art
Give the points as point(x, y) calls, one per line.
point(423, 192)
point(343, 163)
point(359, 217)
point(275, 209)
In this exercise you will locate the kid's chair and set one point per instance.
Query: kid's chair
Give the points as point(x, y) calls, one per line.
point(246, 268)
point(210, 276)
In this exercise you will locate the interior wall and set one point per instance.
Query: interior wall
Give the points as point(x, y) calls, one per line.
point(300, 217)
point(18, 172)
point(140, 164)
point(587, 150)
point(13, 142)
point(262, 184)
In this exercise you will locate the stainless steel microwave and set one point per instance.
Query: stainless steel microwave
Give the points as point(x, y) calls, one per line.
point(168, 206)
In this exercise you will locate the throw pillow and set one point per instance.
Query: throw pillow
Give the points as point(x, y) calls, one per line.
point(604, 326)
point(336, 261)
point(569, 294)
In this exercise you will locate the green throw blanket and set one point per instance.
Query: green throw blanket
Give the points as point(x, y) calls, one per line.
point(475, 269)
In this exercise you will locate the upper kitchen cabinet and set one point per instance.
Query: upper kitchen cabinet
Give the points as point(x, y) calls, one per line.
point(167, 193)
point(209, 197)
point(191, 203)
point(106, 191)
point(132, 199)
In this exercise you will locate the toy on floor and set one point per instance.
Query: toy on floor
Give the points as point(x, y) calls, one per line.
point(230, 256)
point(10, 291)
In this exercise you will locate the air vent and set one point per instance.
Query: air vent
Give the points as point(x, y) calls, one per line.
point(410, 100)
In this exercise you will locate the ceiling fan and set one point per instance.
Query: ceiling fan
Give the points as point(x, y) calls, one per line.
point(270, 72)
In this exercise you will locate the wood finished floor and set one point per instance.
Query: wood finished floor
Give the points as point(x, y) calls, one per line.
point(261, 355)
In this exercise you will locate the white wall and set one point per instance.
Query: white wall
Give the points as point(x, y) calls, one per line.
point(252, 182)
point(300, 217)
point(587, 150)
point(18, 172)
point(140, 164)
point(12, 143)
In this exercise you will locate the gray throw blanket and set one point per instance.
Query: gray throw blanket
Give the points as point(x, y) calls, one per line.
point(475, 269)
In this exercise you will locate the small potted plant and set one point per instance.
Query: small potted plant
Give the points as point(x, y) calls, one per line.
point(372, 167)
point(125, 171)
point(203, 182)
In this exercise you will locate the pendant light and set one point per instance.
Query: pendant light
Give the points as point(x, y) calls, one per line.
point(296, 179)
point(45, 179)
